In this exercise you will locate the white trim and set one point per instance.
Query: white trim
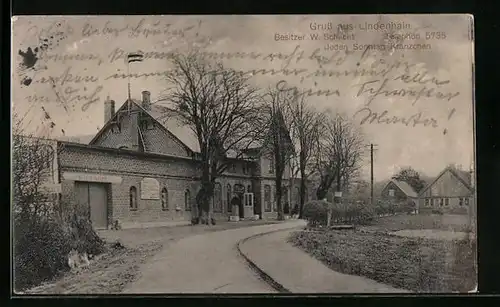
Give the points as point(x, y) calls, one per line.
point(91, 177)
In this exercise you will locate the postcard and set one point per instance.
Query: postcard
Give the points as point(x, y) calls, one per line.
point(243, 154)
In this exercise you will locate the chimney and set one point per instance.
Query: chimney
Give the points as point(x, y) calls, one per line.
point(146, 100)
point(109, 109)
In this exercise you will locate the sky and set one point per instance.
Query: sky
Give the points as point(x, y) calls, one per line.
point(64, 68)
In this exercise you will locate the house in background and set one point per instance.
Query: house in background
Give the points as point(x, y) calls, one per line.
point(399, 191)
point(451, 191)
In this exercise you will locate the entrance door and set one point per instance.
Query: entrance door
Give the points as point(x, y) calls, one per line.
point(94, 197)
point(249, 203)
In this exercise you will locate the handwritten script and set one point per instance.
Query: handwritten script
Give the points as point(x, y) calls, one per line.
point(77, 76)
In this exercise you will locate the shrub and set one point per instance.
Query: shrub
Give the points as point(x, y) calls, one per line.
point(43, 242)
point(315, 212)
point(437, 211)
point(41, 248)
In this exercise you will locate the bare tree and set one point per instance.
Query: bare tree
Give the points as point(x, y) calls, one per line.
point(32, 166)
point(277, 139)
point(338, 154)
point(222, 110)
point(306, 129)
point(410, 176)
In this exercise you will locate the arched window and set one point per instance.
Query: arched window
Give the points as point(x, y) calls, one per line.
point(187, 200)
point(267, 198)
point(249, 188)
point(228, 198)
point(218, 198)
point(133, 198)
point(164, 199)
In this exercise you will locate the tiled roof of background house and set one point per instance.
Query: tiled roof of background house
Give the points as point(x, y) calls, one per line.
point(405, 187)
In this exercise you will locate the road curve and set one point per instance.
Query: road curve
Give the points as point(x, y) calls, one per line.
point(205, 263)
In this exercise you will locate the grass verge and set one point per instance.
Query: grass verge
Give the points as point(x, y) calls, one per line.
point(415, 264)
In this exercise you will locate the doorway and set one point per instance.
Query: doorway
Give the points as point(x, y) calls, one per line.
point(93, 196)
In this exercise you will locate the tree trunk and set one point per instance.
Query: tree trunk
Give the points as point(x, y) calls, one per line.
point(204, 197)
point(302, 192)
point(321, 193)
point(279, 204)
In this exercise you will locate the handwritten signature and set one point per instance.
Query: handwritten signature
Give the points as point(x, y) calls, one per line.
point(368, 116)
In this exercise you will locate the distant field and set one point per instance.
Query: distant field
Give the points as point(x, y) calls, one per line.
point(416, 264)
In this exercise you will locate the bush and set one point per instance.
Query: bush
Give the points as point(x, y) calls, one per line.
point(315, 212)
point(40, 251)
point(42, 245)
point(437, 211)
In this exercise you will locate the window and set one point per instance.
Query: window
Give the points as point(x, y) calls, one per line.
point(461, 201)
point(116, 128)
point(245, 169)
point(267, 198)
point(427, 202)
point(271, 165)
point(233, 168)
point(284, 195)
point(164, 199)
point(187, 200)
point(147, 125)
point(466, 201)
point(228, 198)
point(446, 201)
point(133, 198)
point(249, 188)
point(391, 192)
point(218, 198)
point(440, 202)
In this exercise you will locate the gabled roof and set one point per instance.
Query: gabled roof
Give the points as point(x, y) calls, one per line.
point(462, 176)
point(166, 120)
point(404, 187)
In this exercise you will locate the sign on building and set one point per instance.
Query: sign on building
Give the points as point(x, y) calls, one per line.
point(150, 188)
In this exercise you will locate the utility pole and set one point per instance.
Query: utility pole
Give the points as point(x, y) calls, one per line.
point(371, 173)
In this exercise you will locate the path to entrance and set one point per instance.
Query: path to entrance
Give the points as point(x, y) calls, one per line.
point(298, 272)
point(206, 263)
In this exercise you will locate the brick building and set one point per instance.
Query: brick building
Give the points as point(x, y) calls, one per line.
point(141, 169)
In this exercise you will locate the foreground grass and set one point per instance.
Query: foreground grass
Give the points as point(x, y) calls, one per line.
point(116, 268)
point(415, 264)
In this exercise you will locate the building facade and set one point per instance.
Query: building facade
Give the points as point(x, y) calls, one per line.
point(451, 191)
point(142, 169)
